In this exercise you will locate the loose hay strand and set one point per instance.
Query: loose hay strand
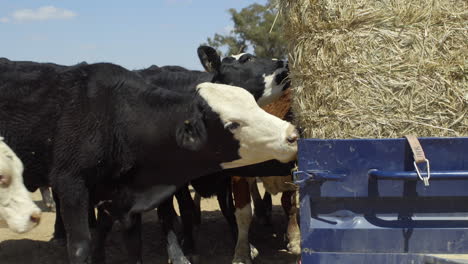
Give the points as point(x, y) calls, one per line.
point(379, 69)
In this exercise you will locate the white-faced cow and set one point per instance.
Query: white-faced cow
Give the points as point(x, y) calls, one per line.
point(266, 79)
point(244, 188)
point(16, 206)
point(102, 133)
point(218, 183)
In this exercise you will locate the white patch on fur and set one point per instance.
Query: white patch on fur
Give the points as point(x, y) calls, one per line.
point(243, 219)
point(16, 205)
point(272, 90)
point(261, 136)
point(237, 57)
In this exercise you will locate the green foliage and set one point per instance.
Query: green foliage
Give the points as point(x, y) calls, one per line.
point(252, 29)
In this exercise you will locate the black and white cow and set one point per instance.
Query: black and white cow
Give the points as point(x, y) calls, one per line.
point(16, 206)
point(266, 79)
point(101, 133)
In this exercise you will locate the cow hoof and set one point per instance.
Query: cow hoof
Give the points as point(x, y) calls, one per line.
point(181, 260)
point(294, 247)
point(253, 252)
point(242, 261)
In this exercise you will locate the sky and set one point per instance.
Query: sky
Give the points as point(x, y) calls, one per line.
point(134, 34)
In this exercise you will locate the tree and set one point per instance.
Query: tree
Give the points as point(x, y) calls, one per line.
point(252, 29)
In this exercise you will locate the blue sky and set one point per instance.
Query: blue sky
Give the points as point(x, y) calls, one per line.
point(134, 34)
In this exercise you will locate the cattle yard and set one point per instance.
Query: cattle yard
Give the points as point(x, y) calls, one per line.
point(360, 137)
point(215, 247)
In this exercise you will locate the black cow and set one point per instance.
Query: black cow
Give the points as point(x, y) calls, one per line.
point(101, 133)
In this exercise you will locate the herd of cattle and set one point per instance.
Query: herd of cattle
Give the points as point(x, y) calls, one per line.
point(124, 142)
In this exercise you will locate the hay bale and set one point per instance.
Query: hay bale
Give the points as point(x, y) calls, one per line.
point(379, 68)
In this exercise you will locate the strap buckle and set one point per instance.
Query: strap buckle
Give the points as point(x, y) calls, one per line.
point(426, 178)
point(419, 157)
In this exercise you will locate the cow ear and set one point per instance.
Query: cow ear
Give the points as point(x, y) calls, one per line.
point(191, 134)
point(209, 58)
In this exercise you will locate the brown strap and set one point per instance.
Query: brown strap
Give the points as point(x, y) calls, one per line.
point(418, 152)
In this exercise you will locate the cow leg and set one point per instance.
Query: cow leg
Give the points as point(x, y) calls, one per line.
point(47, 198)
point(197, 202)
point(289, 203)
point(226, 203)
point(103, 227)
point(59, 237)
point(132, 239)
point(260, 207)
point(268, 203)
point(244, 252)
point(168, 216)
point(190, 221)
point(74, 204)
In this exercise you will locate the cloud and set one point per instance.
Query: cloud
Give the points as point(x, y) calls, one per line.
point(41, 14)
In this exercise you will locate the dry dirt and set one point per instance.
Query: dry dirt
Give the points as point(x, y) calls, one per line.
point(214, 240)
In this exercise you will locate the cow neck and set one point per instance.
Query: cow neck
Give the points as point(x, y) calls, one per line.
point(174, 78)
point(168, 100)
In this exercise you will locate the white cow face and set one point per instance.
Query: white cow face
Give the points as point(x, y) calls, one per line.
point(16, 206)
point(261, 136)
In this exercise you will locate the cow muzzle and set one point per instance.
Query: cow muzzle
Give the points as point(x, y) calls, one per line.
point(292, 135)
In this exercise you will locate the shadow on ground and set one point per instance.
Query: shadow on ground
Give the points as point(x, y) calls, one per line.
point(214, 241)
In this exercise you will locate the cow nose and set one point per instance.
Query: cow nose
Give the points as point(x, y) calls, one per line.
point(35, 217)
point(293, 135)
point(293, 138)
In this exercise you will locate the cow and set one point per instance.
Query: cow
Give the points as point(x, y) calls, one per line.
point(37, 178)
point(244, 188)
point(16, 206)
point(266, 79)
point(101, 133)
point(241, 187)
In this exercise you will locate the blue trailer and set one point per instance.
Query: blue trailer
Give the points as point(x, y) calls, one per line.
point(362, 201)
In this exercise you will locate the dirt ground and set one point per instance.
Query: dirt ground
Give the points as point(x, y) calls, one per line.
point(214, 240)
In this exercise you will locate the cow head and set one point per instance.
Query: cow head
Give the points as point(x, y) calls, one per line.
point(16, 206)
point(235, 130)
point(266, 79)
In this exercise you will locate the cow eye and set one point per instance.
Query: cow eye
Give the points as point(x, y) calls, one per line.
point(231, 125)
